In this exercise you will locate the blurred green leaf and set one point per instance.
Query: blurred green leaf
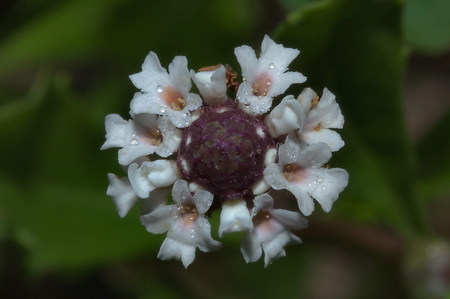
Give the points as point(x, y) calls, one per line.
point(74, 227)
point(434, 161)
point(71, 31)
point(426, 24)
point(355, 49)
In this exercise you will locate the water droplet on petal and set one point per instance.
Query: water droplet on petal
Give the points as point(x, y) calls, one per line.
point(159, 89)
point(163, 109)
point(271, 65)
point(192, 235)
point(268, 82)
point(309, 184)
point(319, 180)
point(134, 141)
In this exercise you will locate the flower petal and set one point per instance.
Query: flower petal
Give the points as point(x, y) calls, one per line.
point(274, 249)
point(160, 220)
point(235, 217)
point(203, 236)
point(285, 117)
point(152, 175)
point(115, 131)
point(157, 198)
point(173, 249)
point(327, 185)
point(122, 193)
point(212, 85)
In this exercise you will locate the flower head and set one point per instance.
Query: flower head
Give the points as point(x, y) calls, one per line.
point(217, 152)
point(185, 224)
point(165, 93)
point(266, 76)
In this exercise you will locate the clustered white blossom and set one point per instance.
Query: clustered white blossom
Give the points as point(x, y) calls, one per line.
point(247, 151)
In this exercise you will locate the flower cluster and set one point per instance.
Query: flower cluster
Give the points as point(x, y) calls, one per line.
point(219, 153)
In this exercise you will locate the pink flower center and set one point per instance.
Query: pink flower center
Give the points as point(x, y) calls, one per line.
point(173, 99)
point(294, 173)
point(262, 84)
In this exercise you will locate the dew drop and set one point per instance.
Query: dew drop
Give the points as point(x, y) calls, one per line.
point(185, 115)
point(244, 79)
point(309, 184)
point(319, 180)
point(268, 82)
point(134, 141)
point(192, 236)
point(163, 109)
point(323, 188)
point(159, 89)
point(271, 65)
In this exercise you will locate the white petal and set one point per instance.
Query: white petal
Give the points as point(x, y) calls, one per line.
point(173, 249)
point(274, 248)
point(251, 247)
point(280, 56)
point(122, 194)
point(305, 98)
point(235, 217)
point(203, 200)
point(327, 185)
point(282, 82)
point(115, 131)
point(262, 202)
point(260, 187)
point(203, 236)
point(181, 194)
point(160, 220)
point(151, 175)
point(328, 111)
point(311, 156)
point(151, 70)
point(331, 138)
point(274, 176)
point(304, 200)
point(285, 117)
point(212, 85)
point(289, 219)
point(157, 198)
point(179, 74)
point(247, 60)
point(271, 156)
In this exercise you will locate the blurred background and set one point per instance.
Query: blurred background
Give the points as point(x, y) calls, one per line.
point(64, 66)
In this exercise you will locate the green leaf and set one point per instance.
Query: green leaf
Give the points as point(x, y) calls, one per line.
point(355, 49)
point(71, 30)
point(426, 24)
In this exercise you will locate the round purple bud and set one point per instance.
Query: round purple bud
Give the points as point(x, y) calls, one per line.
point(224, 151)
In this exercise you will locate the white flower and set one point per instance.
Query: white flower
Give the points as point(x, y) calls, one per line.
point(266, 76)
point(165, 93)
point(300, 171)
point(185, 224)
point(271, 231)
point(122, 193)
point(212, 85)
point(285, 117)
point(152, 175)
point(235, 217)
point(321, 116)
point(142, 136)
